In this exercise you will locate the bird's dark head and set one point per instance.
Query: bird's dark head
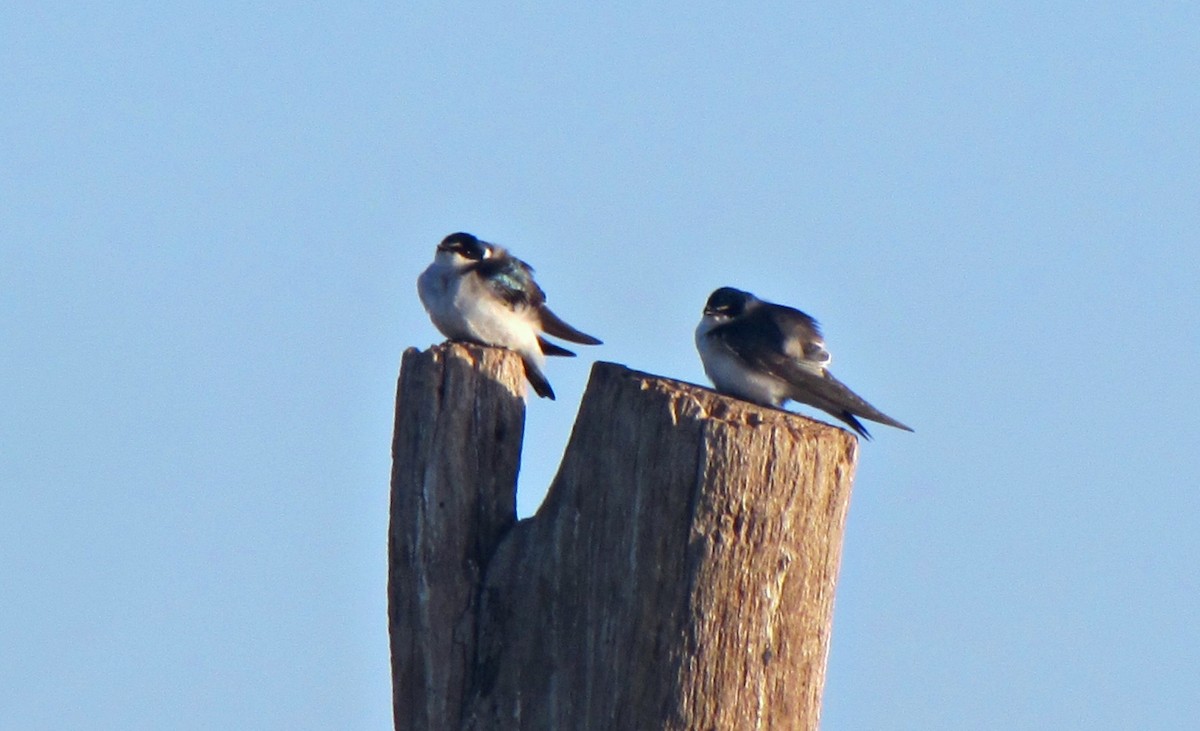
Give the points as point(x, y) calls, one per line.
point(466, 246)
point(727, 302)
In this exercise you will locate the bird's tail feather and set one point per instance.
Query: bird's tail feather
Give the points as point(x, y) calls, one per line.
point(550, 348)
point(855, 424)
point(538, 380)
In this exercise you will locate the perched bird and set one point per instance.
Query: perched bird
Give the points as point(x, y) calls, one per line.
point(769, 354)
point(478, 292)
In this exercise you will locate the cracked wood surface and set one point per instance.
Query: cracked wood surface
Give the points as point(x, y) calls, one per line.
point(679, 575)
point(460, 416)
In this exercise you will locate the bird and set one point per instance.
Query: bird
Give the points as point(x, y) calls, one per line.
point(478, 292)
point(770, 354)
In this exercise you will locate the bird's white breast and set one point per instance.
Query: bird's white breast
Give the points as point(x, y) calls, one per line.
point(463, 308)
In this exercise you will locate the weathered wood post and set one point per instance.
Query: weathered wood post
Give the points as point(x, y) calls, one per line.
point(460, 415)
point(680, 574)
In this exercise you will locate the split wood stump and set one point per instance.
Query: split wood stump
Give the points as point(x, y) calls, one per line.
point(679, 575)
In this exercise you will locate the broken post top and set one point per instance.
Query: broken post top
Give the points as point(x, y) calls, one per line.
point(701, 402)
point(474, 364)
point(679, 574)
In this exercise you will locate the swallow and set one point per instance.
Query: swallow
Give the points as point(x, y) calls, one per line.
point(478, 292)
point(771, 354)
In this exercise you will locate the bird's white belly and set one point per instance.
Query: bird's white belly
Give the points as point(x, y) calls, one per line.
point(732, 376)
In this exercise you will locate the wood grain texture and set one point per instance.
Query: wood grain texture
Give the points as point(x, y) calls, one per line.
point(460, 417)
point(680, 574)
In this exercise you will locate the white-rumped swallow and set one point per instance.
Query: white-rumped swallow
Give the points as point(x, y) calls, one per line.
point(770, 354)
point(478, 292)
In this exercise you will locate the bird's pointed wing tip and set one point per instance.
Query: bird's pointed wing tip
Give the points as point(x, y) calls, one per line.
point(554, 325)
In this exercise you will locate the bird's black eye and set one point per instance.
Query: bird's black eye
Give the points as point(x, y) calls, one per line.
point(465, 244)
point(727, 301)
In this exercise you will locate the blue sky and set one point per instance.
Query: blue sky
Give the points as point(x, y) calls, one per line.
point(212, 219)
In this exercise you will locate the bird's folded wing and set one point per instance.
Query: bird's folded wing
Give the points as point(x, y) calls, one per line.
point(511, 280)
point(763, 349)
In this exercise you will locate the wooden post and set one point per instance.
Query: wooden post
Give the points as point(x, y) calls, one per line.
point(460, 415)
point(680, 574)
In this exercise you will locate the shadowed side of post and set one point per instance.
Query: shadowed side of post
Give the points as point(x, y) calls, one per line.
point(460, 416)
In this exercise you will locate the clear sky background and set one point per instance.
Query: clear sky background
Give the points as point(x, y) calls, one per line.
point(212, 216)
